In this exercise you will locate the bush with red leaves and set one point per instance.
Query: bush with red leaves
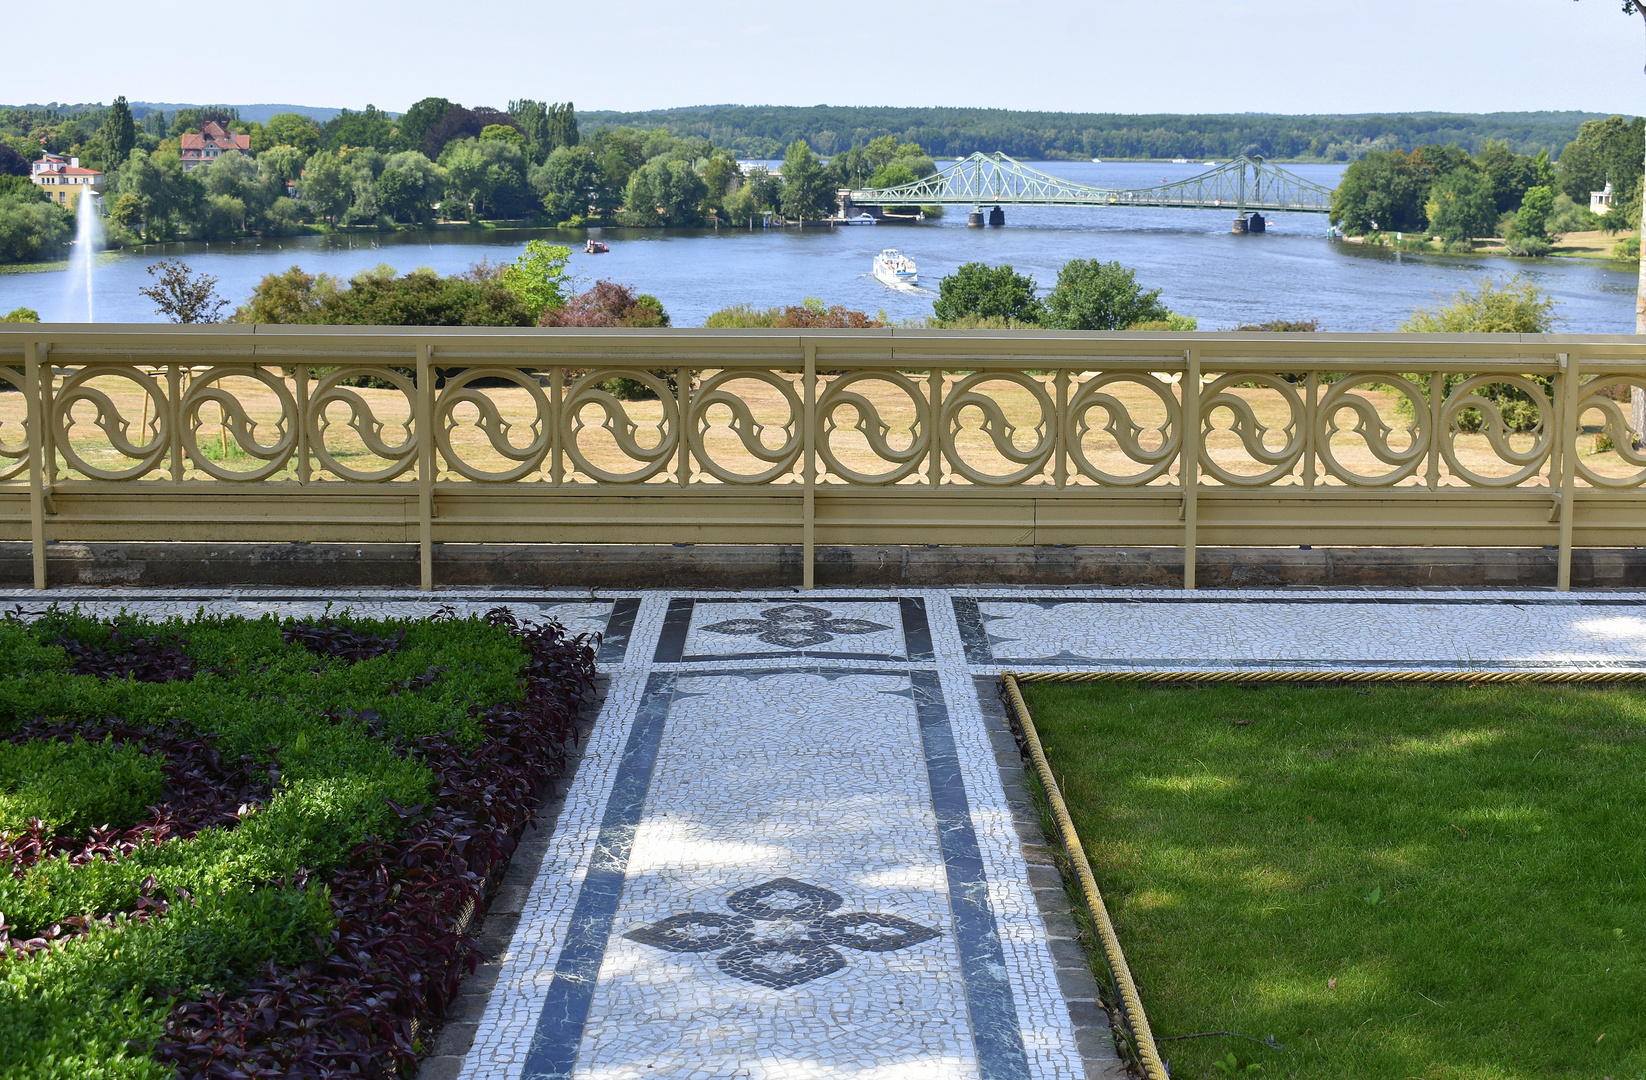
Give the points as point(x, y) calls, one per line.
point(608, 304)
point(127, 655)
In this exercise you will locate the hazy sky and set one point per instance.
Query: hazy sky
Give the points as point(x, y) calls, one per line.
point(1290, 56)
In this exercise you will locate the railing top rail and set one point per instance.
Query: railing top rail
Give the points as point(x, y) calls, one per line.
point(163, 343)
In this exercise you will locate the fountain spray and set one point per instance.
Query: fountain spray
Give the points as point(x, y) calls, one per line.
point(88, 241)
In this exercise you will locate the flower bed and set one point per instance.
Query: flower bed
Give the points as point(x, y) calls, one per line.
point(242, 848)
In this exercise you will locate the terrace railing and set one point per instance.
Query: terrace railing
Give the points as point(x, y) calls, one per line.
point(428, 436)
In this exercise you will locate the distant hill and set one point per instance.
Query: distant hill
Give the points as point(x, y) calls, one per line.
point(258, 113)
point(140, 109)
point(763, 131)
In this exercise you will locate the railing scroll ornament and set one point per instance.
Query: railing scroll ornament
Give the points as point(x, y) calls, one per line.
point(888, 437)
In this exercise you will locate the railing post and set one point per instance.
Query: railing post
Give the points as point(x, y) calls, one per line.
point(934, 410)
point(1060, 452)
point(1188, 472)
point(683, 408)
point(1569, 387)
point(174, 409)
point(808, 428)
point(33, 361)
point(425, 464)
point(1311, 416)
point(557, 428)
point(1437, 406)
point(300, 382)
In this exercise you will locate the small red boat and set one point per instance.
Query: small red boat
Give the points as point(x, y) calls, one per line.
point(595, 247)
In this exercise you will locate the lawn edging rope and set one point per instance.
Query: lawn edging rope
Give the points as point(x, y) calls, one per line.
point(1131, 1003)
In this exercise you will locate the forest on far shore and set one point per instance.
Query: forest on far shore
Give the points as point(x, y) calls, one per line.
point(763, 131)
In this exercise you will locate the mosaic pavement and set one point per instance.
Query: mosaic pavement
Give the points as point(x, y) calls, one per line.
point(788, 851)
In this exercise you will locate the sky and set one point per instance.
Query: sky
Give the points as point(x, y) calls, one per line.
point(1287, 56)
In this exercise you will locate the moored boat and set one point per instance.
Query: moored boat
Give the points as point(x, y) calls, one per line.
point(895, 268)
point(595, 247)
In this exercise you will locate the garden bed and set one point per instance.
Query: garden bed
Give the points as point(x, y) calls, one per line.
point(1387, 881)
point(253, 848)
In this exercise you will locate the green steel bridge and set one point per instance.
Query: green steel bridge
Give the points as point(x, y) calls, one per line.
point(1243, 185)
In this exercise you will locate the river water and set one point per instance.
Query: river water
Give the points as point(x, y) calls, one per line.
point(1292, 271)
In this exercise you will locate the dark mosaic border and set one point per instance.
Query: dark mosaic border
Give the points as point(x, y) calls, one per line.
point(991, 1005)
point(565, 1012)
point(917, 633)
point(614, 647)
point(989, 998)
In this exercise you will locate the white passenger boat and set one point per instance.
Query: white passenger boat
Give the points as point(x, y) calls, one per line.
point(865, 218)
point(895, 268)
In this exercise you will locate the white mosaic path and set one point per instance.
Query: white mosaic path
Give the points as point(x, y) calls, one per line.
point(814, 747)
point(788, 852)
point(1418, 630)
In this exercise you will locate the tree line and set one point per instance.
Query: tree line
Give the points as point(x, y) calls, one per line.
point(438, 162)
point(1458, 197)
point(764, 131)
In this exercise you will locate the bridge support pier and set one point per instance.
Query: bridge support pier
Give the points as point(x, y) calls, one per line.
point(1253, 224)
point(974, 220)
point(997, 216)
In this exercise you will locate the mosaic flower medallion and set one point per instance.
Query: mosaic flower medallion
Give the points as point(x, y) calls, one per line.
point(795, 626)
point(782, 933)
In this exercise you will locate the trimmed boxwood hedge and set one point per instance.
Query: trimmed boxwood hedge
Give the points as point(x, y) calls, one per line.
point(235, 847)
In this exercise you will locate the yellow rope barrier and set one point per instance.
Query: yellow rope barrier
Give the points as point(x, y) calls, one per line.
point(1131, 1004)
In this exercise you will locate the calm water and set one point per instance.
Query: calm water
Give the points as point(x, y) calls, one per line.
point(1293, 271)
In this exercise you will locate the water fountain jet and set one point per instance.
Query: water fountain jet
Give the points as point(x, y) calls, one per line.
point(88, 241)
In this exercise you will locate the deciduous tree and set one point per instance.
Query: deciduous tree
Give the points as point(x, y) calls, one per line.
point(565, 182)
point(293, 129)
point(806, 191)
point(182, 295)
point(1380, 191)
point(1460, 206)
point(978, 290)
point(537, 277)
point(1092, 295)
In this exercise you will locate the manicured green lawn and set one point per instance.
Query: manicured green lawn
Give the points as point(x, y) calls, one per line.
point(1241, 836)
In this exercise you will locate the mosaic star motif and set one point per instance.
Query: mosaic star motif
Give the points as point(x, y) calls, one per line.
point(796, 943)
point(795, 626)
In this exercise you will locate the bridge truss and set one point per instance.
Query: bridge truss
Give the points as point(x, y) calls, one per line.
point(1244, 184)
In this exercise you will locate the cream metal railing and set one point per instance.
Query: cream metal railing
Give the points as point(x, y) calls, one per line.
point(241, 433)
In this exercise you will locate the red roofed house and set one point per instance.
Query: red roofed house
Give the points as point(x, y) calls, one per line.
point(204, 148)
point(64, 179)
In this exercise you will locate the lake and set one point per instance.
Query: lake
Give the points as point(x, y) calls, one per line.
point(1292, 271)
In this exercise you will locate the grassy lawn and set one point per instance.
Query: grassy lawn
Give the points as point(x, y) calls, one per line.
point(1440, 882)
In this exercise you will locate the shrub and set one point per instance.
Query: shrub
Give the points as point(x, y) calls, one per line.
point(977, 290)
point(742, 316)
point(377, 297)
point(1283, 326)
point(608, 304)
point(1090, 295)
point(340, 794)
point(1515, 306)
point(75, 786)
